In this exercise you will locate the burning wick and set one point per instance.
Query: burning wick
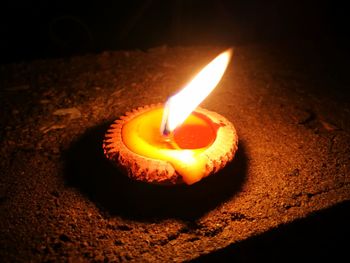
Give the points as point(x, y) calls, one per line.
point(164, 127)
point(177, 142)
point(167, 135)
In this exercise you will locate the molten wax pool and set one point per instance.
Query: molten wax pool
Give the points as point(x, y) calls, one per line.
point(185, 149)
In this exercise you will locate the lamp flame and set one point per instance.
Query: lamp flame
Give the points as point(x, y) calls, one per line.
point(182, 104)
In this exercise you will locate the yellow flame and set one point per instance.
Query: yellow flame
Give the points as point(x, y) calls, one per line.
point(182, 104)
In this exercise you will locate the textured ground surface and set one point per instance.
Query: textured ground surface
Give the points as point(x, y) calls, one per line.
point(60, 199)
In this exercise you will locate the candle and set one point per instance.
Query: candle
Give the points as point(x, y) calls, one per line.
point(177, 140)
point(141, 135)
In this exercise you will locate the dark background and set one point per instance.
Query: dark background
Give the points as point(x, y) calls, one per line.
point(47, 29)
point(41, 29)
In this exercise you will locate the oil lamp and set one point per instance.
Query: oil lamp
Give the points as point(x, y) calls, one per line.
point(177, 142)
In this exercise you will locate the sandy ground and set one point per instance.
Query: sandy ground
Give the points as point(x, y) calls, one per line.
point(60, 199)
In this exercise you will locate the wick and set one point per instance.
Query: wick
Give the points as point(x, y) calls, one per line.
point(168, 137)
point(166, 133)
point(164, 127)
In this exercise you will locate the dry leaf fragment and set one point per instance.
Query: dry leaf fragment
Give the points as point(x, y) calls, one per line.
point(73, 112)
